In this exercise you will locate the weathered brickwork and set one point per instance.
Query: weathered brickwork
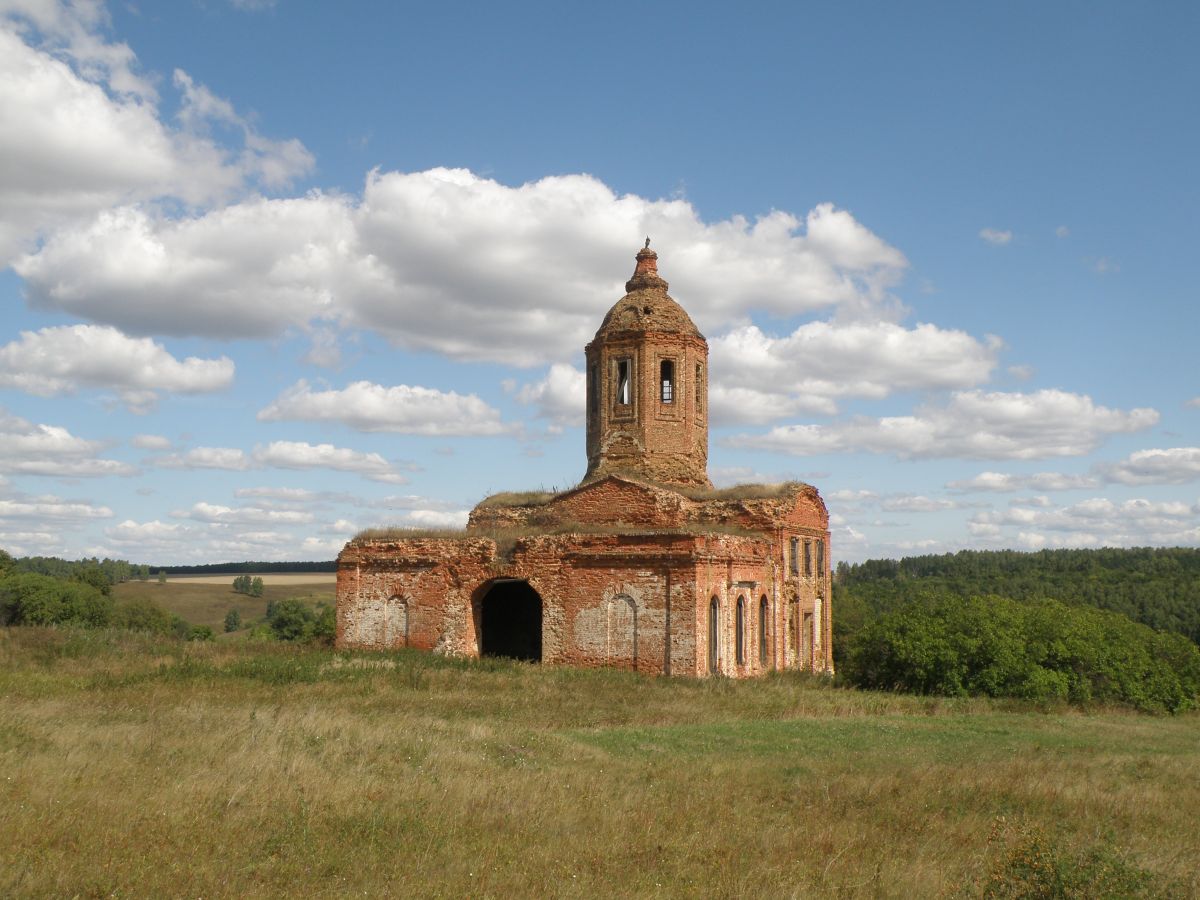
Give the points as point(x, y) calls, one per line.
point(643, 566)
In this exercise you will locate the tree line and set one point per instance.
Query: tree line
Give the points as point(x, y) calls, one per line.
point(1108, 625)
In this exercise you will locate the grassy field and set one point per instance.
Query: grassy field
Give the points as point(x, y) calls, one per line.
point(204, 600)
point(139, 766)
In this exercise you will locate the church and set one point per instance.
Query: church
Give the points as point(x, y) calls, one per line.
point(644, 565)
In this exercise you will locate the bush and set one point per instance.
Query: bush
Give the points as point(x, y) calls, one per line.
point(142, 614)
point(1043, 651)
point(233, 621)
point(30, 599)
point(292, 620)
point(200, 633)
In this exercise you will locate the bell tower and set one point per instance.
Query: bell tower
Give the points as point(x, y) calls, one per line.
point(647, 387)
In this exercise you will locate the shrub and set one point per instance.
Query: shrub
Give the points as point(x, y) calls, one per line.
point(200, 633)
point(30, 599)
point(1042, 651)
point(142, 614)
point(233, 621)
point(292, 620)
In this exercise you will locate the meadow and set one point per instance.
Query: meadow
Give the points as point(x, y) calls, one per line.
point(136, 765)
point(205, 599)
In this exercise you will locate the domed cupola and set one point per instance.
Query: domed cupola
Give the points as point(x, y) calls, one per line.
point(647, 387)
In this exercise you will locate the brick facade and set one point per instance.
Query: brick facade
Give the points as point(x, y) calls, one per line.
point(643, 566)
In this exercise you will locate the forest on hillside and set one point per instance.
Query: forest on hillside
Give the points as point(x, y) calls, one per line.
point(1159, 587)
point(1084, 626)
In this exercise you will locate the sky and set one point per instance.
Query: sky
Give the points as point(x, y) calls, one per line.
point(274, 272)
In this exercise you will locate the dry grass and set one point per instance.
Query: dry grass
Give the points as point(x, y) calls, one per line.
point(142, 767)
point(520, 498)
point(743, 491)
point(291, 579)
point(205, 602)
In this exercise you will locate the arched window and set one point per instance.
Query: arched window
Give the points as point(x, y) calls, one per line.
point(739, 637)
point(713, 611)
point(624, 375)
point(762, 630)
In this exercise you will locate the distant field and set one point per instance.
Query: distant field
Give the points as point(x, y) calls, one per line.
point(269, 578)
point(144, 767)
point(206, 599)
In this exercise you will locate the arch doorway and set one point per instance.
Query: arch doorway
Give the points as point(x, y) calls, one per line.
point(510, 621)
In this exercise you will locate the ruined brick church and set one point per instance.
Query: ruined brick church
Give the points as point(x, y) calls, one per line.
point(643, 565)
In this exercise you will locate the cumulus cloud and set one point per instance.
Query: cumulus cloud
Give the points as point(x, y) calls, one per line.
point(150, 442)
point(372, 407)
point(51, 508)
point(80, 129)
point(34, 449)
point(1174, 465)
point(1096, 521)
point(63, 359)
point(149, 534)
point(447, 261)
point(1005, 482)
point(301, 455)
point(762, 378)
point(559, 396)
point(971, 425)
point(916, 503)
point(229, 458)
point(243, 515)
point(995, 236)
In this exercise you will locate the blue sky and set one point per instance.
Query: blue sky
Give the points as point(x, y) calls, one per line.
point(274, 272)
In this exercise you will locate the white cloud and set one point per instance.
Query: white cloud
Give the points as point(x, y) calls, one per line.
point(229, 458)
point(1096, 521)
point(285, 494)
point(80, 130)
point(560, 396)
point(301, 455)
point(33, 543)
point(1003, 482)
point(372, 407)
point(1021, 372)
point(1062, 231)
point(972, 425)
point(915, 503)
point(52, 508)
point(29, 449)
point(62, 359)
point(762, 378)
point(444, 260)
point(149, 534)
point(243, 515)
point(1194, 403)
point(150, 442)
point(995, 236)
point(1174, 465)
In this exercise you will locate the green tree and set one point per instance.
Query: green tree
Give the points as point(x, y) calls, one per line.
point(162, 577)
point(256, 587)
point(291, 620)
point(142, 614)
point(233, 621)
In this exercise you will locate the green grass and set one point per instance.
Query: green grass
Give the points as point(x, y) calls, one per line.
point(207, 604)
point(139, 766)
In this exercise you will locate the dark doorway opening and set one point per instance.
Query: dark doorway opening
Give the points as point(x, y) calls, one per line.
point(510, 621)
